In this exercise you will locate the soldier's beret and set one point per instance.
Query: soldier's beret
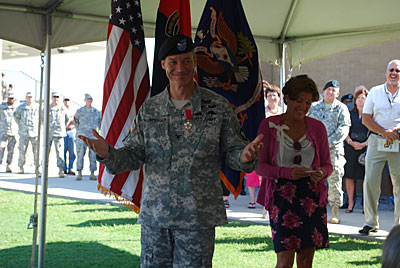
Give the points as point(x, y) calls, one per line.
point(175, 45)
point(332, 83)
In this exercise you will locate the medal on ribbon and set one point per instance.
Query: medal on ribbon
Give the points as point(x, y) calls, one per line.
point(188, 125)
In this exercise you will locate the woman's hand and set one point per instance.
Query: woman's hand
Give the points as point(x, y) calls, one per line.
point(357, 145)
point(315, 175)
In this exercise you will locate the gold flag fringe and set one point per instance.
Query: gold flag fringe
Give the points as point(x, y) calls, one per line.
point(121, 200)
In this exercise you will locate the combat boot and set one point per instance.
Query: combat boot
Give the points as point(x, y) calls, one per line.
point(60, 172)
point(335, 215)
point(8, 169)
point(21, 170)
point(92, 176)
point(79, 177)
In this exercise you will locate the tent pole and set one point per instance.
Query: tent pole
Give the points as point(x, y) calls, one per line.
point(282, 68)
point(34, 216)
point(45, 154)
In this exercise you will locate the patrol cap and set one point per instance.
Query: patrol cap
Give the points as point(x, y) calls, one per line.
point(28, 94)
point(10, 95)
point(331, 83)
point(88, 96)
point(66, 98)
point(175, 45)
point(55, 94)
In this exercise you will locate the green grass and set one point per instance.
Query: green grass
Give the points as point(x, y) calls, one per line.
point(81, 234)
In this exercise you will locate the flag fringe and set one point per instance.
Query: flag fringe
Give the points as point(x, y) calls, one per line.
point(121, 200)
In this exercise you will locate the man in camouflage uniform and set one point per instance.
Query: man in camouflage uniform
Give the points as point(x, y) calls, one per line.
point(8, 130)
point(58, 119)
point(179, 137)
point(86, 118)
point(27, 118)
point(336, 118)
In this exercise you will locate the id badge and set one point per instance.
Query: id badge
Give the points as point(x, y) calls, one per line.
point(394, 147)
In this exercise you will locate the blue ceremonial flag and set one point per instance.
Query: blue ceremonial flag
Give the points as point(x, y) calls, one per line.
point(227, 63)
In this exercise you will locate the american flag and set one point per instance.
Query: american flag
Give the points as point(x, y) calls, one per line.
point(126, 86)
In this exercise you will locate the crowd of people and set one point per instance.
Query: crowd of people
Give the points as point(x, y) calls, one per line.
point(301, 155)
point(20, 123)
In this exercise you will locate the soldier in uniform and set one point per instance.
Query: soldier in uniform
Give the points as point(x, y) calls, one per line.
point(8, 129)
point(58, 119)
point(86, 118)
point(27, 118)
point(179, 136)
point(336, 118)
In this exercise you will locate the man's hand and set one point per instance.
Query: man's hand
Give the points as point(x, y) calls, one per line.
point(250, 152)
point(390, 135)
point(99, 146)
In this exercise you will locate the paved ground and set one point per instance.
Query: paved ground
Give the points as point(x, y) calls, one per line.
point(87, 190)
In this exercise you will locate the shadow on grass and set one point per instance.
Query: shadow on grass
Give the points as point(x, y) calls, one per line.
point(111, 209)
point(70, 254)
point(376, 260)
point(106, 222)
point(344, 244)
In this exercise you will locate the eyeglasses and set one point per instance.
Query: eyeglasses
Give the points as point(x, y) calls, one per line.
point(393, 69)
point(56, 97)
point(297, 159)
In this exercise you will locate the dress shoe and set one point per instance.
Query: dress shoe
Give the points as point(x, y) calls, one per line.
point(71, 172)
point(367, 229)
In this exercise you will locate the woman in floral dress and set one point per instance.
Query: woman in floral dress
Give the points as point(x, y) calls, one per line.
point(293, 164)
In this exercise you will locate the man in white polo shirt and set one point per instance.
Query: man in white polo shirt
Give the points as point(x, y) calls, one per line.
point(381, 115)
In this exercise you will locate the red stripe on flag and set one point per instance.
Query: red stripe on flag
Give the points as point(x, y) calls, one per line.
point(115, 66)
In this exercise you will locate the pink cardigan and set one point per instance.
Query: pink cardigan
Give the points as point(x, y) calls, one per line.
point(267, 168)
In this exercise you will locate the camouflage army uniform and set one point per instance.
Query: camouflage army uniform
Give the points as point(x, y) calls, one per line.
point(85, 120)
point(58, 119)
point(8, 130)
point(336, 118)
point(27, 118)
point(182, 189)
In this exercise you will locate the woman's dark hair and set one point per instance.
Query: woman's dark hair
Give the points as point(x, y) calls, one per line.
point(358, 93)
point(298, 84)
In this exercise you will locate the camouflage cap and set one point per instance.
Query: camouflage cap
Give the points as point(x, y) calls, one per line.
point(175, 45)
point(88, 96)
point(55, 94)
point(28, 94)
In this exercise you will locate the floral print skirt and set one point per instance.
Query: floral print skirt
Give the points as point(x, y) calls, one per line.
point(296, 219)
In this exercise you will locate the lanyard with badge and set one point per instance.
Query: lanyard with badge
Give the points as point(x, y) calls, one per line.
point(394, 147)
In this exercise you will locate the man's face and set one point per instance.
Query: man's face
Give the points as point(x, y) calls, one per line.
point(89, 101)
point(180, 69)
point(10, 101)
point(55, 100)
point(28, 100)
point(330, 94)
point(393, 74)
point(66, 102)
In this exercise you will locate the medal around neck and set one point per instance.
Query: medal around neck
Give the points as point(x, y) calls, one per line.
point(188, 125)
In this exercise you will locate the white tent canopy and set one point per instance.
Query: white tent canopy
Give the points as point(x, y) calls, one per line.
point(309, 28)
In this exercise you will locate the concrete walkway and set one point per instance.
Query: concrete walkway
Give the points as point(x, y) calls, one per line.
point(86, 190)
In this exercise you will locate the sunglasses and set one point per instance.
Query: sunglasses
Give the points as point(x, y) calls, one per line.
point(297, 159)
point(393, 69)
point(56, 97)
